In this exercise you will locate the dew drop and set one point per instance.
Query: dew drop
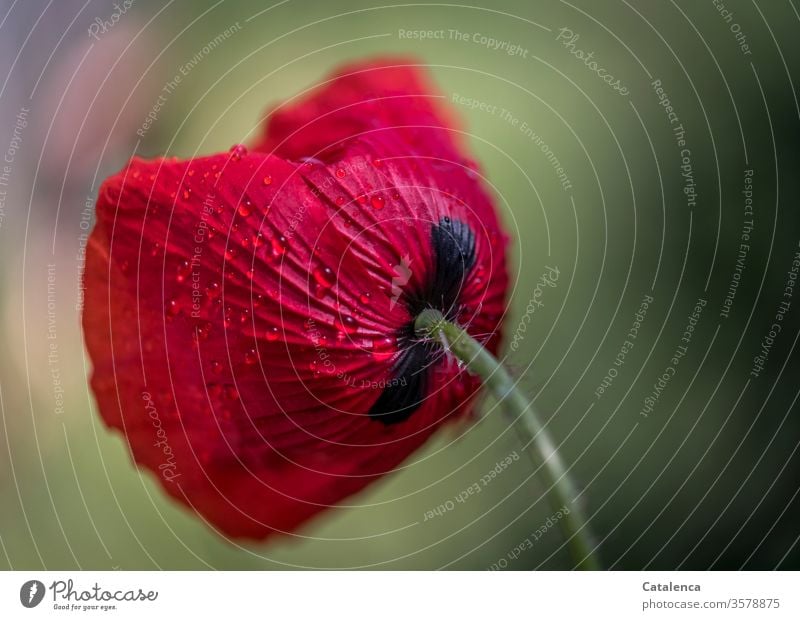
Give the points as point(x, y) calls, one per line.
point(203, 330)
point(251, 357)
point(267, 180)
point(378, 202)
point(340, 173)
point(216, 367)
point(230, 253)
point(173, 308)
point(183, 271)
point(238, 151)
point(272, 334)
point(212, 290)
point(245, 208)
point(278, 246)
point(383, 348)
point(346, 323)
point(362, 199)
point(364, 298)
point(324, 277)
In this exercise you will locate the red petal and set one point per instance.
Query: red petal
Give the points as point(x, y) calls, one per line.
point(392, 97)
point(240, 312)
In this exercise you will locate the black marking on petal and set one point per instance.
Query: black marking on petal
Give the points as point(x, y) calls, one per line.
point(453, 245)
point(407, 388)
point(454, 254)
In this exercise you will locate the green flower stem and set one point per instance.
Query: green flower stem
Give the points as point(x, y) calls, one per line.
point(432, 325)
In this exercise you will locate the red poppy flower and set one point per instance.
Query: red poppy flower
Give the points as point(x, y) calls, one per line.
point(250, 314)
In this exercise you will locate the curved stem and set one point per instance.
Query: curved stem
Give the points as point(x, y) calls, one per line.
point(431, 324)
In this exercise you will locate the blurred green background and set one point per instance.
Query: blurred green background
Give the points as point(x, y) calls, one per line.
point(709, 478)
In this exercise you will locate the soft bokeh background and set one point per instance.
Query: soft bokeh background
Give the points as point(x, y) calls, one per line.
point(709, 479)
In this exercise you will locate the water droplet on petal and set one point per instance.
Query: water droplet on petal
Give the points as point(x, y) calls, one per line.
point(364, 298)
point(272, 334)
point(173, 308)
point(203, 330)
point(383, 348)
point(238, 151)
point(251, 357)
point(378, 202)
point(346, 323)
point(212, 290)
point(267, 180)
point(245, 208)
point(183, 271)
point(340, 173)
point(230, 253)
point(278, 246)
point(216, 367)
point(324, 277)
